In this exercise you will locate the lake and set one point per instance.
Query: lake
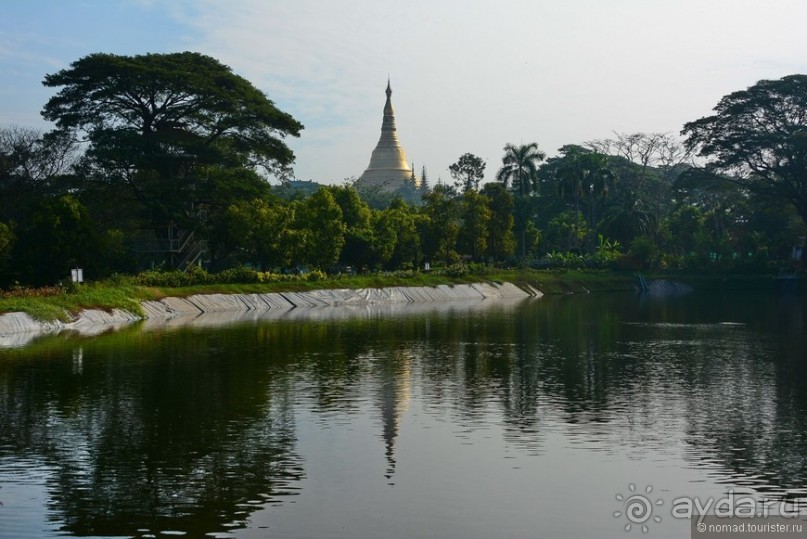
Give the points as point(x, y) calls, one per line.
point(537, 418)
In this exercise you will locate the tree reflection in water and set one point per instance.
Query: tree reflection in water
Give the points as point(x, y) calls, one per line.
point(194, 428)
point(157, 432)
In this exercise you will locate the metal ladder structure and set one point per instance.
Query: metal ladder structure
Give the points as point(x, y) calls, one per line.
point(181, 248)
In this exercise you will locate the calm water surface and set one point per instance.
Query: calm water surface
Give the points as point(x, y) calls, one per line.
point(473, 420)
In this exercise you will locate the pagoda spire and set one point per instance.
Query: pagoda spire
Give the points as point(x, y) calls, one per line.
point(388, 166)
point(389, 114)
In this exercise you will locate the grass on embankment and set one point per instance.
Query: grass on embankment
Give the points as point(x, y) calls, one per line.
point(548, 282)
point(60, 304)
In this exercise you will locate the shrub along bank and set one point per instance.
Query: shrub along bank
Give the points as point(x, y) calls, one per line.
point(126, 292)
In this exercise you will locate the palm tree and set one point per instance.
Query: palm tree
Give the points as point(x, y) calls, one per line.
point(520, 170)
point(584, 174)
point(520, 167)
point(629, 219)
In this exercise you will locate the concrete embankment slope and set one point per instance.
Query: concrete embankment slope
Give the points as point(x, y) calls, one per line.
point(95, 321)
point(212, 303)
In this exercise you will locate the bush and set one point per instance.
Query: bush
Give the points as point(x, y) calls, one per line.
point(645, 251)
point(120, 279)
point(314, 275)
point(399, 274)
point(564, 260)
point(454, 270)
point(174, 278)
point(240, 274)
point(607, 256)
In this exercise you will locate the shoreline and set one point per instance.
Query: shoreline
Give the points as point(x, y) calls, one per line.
point(96, 310)
point(94, 321)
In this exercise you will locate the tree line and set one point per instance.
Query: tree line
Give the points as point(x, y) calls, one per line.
point(163, 160)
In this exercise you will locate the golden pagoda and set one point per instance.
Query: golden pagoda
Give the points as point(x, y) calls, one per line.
point(388, 168)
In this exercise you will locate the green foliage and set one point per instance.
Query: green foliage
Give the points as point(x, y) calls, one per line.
point(365, 239)
point(584, 179)
point(241, 274)
point(628, 218)
point(520, 168)
point(315, 275)
point(398, 274)
point(153, 109)
point(320, 217)
point(6, 238)
point(256, 231)
point(532, 239)
point(607, 255)
point(607, 250)
point(501, 242)
point(58, 303)
point(453, 270)
point(582, 174)
point(355, 211)
point(566, 231)
point(467, 172)
point(171, 278)
point(384, 240)
point(176, 142)
point(403, 223)
point(645, 251)
point(57, 237)
point(439, 225)
point(6, 243)
point(475, 215)
point(758, 137)
point(524, 214)
point(29, 164)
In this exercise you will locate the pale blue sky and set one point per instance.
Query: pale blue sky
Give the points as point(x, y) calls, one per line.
point(467, 76)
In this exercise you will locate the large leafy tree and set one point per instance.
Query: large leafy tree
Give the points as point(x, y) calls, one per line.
point(468, 172)
point(757, 138)
point(158, 123)
point(439, 224)
point(321, 221)
point(402, 219)
point(500, 241)
point(357, 218)
point(474, 211)
point(257, 231)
